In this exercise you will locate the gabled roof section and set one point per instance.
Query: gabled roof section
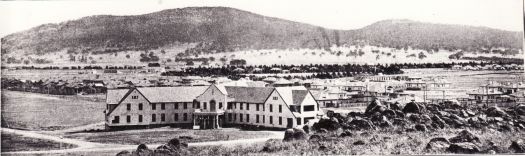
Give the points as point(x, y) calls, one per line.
point(287, 93)
point(299, 96)
point(172, 94)
point(114, 96)
point(249, 94)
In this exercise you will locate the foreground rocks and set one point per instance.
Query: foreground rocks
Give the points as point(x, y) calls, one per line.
point(173, 148)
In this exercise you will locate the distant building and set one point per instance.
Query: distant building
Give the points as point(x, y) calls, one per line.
point(209, 107)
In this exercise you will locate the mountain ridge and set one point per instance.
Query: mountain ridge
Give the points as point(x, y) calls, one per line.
point(222, 29)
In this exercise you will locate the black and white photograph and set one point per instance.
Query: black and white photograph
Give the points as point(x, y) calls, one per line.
point(262, 77)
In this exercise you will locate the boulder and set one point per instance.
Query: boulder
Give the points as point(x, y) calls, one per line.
point(272, 145)
point(400, 121)
point(359, 142)
point(389, 113)
point(437, 122)
point(394, 106)
point(329, 124)
point(437, 144)
point(346, 133)
point(375, 106)
point(413, 107)
point(426, 119)
point(362, 124)
point(465, 136)
point(517, 146)
point(520, 109)
point(294, 134)
point(495, 112)
point(421, 127)
point(415, 118)
point(315, 138)
point(464, 148)
point(142, 150)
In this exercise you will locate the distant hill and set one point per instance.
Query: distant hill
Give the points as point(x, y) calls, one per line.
point(221, 29)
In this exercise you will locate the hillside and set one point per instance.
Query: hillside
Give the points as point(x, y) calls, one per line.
point(208, 30)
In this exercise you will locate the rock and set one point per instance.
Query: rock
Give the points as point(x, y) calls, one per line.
point(436, 120)
point(421, 127)
point(175, 143)
point(495, 112)
point(346, 133)
point(464, 148)
point(520, 110)
point(389, 113)
point(329, 124)
point(365, 134)
point(413, 107)
point(362, 124)
point(124, 153)
point(375, 106)
point(414, 118)
point(437, 144)
point(294, 134)
point(506, 128)
point(400, 122)
point(517, 146)
point(410, 130)
point(315, 138)
point(359, 142)
point(272, 145)
point(394, 106)
point(322, 130)
point(426, 119)
point(465, 136)
point(322, 147)
point(142, 150)
point(443, 113)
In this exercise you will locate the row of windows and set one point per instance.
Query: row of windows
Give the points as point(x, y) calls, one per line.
point(154, 106)
point(233, 117)
point(116, 119)
point(233, 105)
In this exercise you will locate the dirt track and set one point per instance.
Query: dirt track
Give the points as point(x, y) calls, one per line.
point(85, 146)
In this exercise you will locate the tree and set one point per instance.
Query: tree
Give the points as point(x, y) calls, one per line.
point(190, 63)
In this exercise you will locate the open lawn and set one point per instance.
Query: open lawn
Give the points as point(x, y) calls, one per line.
point(33, 111)
point(162, 135)
point(13, 142)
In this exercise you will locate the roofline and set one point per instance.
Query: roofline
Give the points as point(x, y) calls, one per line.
point(125, 96)
point(287, 105)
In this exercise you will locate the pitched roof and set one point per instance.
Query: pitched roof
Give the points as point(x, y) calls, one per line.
point(172, 94)
point(287, 93)
point(299, 96)
point(249, 94)
point(115, 95)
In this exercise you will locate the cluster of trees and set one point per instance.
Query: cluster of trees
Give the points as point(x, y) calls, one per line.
point(53, 87)
point(151, 57)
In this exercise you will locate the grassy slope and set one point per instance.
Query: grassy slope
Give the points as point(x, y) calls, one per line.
point(133, 137)
point(46, 112)
point(13, 142)
point(377, 143)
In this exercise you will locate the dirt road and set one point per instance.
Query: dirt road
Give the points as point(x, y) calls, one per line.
point(84, 147)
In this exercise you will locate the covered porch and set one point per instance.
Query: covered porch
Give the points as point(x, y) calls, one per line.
point(208, 120)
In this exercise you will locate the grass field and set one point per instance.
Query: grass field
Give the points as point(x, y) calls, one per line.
point(13, 142)
point(385, 142)
point(34, 111)
point(159, 136)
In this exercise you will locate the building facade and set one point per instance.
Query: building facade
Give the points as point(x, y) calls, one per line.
point(210, 107)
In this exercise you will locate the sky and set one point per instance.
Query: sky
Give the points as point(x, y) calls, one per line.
point(17, 16)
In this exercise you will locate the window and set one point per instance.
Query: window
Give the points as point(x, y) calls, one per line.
point(263, 119)
point(234, 117)
point(240, 117)
point(176, 117)
point(247, 106)
point(185, 105)
point(240, 106)
point(257, 107)
point(264, 107)
point(128, 106)
point(230, 117)
point(134, 97)
point(309, 108)
point(204, 105)
point(153, 117)
point(280, 120)
point(229, 105)
point(140, 106)
point(256, 118)
point(247, 117)
point(220, 105)
point(176, 105)
point(275, 98)
point(153, 106)
point(280, 108)
point(140, 118)
point(162, 117)
point(162, 106)
point(116, 120)
point(271, 108)
point(185, 117)
point(128, 119)
point(271, 120)
point(298, 121)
